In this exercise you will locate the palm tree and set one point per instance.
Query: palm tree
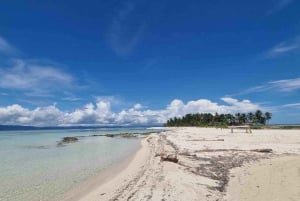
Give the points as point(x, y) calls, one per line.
point(238, 118)
point(268, 116)
point(208, 119)
point(243, 118)
point(250, 117)
point(258, 116)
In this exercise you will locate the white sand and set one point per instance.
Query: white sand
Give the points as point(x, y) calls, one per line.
point(276, 179)
point(206, 158)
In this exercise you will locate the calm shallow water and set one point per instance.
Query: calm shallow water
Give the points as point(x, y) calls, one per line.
point(33, 167)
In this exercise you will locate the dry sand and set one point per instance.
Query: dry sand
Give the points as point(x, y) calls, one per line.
point(214, 164)
point(276, 179)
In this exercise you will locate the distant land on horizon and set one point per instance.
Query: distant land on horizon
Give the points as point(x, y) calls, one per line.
point(23, 127)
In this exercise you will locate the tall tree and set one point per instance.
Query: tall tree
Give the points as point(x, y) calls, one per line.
point(250, 117)
point(268, 116)
point(258, 116)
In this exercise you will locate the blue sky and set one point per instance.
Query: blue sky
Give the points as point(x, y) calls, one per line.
point(141, 62)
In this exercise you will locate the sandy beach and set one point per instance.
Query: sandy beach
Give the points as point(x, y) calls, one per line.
point(213, 164)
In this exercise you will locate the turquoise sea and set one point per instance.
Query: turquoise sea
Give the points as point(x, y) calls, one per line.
point(34, 168)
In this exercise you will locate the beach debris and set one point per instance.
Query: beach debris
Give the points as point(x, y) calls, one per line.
point(262, 150)
point(254, 150)
point(206, 140)
point(170, 158)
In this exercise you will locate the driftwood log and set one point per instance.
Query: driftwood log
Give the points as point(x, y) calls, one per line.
point(254, 150)
point(169, 158)
point(262, 150)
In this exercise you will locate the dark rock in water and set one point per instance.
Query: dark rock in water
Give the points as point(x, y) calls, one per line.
point(95, 135)
point(129, 135)
point(109, 135)
point(35, 147)
point(69, 139)
point(60, 144)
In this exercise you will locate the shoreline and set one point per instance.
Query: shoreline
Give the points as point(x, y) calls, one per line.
point(209, 160)
point(85, 188)
point(105, 184)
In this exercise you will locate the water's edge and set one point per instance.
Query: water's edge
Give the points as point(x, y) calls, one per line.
point(100, 178)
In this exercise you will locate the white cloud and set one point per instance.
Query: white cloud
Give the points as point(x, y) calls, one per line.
point(33, 78)
point(284, 47)
point(287, 85)
point(17, 115)
point(100, 113)
point(5, 47)
point(123, 36)
point(292, 105)
point(137, 106)
point(239, 106)
point(111, 99)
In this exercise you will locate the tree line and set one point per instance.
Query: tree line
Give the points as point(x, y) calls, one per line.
point(208, 119)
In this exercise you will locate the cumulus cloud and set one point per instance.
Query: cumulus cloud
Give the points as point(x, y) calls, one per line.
point(41, 116)
point(100, 113)
point(137, 106)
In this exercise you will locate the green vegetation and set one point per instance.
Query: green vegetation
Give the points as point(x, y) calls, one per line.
point(220, 120)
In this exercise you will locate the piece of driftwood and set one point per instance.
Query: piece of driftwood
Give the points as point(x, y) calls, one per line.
point(169, 158)
point(254, 150)
point(262, 150)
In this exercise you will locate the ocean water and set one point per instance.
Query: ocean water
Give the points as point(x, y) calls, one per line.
point(34, 168)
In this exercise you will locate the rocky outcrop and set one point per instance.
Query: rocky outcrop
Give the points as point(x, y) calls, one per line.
point(67, 140)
